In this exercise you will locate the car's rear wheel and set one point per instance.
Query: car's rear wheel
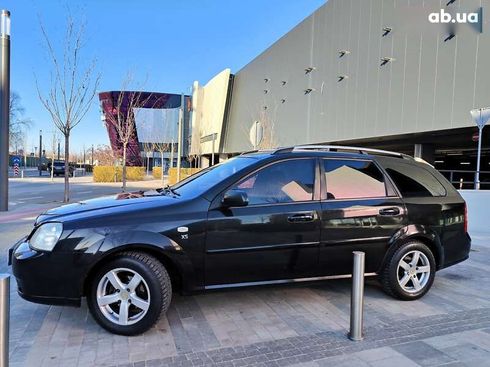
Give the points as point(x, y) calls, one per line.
point(129, 294)
point(410, 272)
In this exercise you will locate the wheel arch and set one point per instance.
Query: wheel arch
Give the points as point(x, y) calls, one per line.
point(163, 248)
point(415, 233)
point(174, 271)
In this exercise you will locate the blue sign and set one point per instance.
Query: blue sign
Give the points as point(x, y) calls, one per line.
point(16, 160)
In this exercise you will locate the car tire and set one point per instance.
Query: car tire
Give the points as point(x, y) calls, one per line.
point(409, 273)
point(125, 307)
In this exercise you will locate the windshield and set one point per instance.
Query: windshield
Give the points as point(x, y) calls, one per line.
point(207, 178)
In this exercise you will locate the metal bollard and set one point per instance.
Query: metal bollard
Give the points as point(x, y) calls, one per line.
point(357, 297)
point(4, 319)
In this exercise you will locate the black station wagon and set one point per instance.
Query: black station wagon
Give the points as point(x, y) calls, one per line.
point(286, 215)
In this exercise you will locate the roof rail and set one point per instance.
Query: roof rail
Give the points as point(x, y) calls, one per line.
point(249, 151)
point(329, 148)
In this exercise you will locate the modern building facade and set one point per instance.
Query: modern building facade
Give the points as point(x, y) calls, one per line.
point(377, 73)
point(156, 116)
point(390, 74)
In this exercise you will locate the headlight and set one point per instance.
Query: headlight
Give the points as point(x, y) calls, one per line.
point(46, 236)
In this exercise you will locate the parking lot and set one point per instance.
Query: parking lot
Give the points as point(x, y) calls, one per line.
point(302, 324)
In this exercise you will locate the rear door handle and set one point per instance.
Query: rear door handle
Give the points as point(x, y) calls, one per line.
point(389, 211)
point(301, 218)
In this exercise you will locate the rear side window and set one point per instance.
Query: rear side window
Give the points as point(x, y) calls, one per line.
point(282, 182)
point(349, 179)
point(414, 181)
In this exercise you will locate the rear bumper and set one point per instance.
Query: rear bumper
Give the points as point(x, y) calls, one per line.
point(457, 251)
point(455, 262)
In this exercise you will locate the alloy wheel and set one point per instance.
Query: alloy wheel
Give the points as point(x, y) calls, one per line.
point(123, 296)
point(413, 271)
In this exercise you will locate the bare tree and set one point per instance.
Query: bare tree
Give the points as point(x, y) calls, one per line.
point(263, 124)
point(18, 123)
point(161, 148)
point(267, 124)
point(73, 85)
point(123, 119)
point(165, 143)
point(104, 155)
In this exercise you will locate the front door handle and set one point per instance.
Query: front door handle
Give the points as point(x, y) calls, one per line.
point(389, 211)
point(301, 218)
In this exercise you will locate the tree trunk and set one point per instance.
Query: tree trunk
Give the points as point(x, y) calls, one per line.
point(67, 168)
point(124, 168)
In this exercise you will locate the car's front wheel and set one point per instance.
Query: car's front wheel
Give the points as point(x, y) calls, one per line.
point(129, 294)
point(410, 272)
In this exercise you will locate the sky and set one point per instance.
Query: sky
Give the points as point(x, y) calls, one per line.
point(165, 46)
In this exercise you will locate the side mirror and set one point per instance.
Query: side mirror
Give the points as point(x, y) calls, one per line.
point(234, 198)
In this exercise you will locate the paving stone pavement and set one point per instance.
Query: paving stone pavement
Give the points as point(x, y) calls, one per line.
point(299, 325)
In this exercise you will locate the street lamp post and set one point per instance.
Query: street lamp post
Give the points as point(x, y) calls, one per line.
point(4, 107)
point(480, 117)
point(40, 152)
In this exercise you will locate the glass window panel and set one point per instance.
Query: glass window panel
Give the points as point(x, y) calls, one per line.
point(414, 181)
point(282, 182)
point(348, 179)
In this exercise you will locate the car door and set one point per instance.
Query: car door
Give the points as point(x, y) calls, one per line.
point(361, 211)
point(276, 236)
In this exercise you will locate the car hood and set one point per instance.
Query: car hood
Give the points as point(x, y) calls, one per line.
point(132, 201)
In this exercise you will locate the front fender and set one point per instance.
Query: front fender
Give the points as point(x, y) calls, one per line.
point(413, 232)
point(153, 242)
point(116, 240)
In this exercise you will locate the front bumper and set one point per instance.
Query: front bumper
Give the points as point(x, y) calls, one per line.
point(44, 277)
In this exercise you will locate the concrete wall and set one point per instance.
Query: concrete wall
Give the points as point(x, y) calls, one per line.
point(430, 85)
point(478, 204)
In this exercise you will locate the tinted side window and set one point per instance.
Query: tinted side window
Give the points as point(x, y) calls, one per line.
point(348, 179)
point(414, 181)
point(282, 182)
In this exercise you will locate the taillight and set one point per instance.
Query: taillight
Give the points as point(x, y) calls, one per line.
point(465, 218)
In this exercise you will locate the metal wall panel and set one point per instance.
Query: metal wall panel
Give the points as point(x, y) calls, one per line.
point(429, 85)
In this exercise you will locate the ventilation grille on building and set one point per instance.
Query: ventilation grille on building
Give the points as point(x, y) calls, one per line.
point(342, 53)
point(386, 60)
point(449, 37)
point(386, 31)
point(309, 69)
